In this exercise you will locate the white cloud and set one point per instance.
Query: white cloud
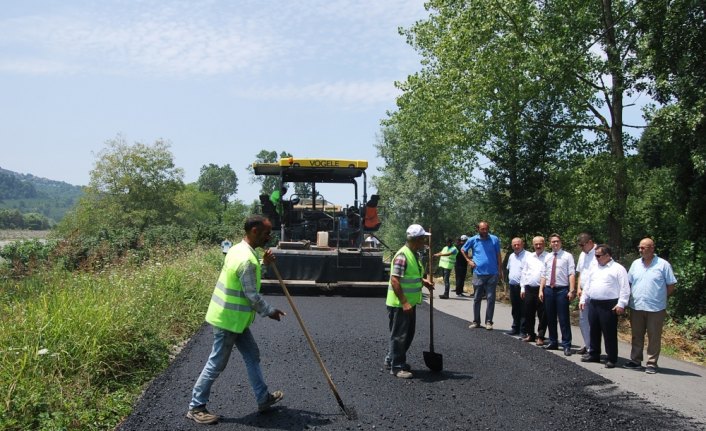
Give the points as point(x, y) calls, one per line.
point(183, 38)
point(347, 94)
point(161, 43)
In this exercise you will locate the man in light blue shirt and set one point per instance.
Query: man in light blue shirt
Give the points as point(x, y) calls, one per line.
point(652, 281)
point(482, 252)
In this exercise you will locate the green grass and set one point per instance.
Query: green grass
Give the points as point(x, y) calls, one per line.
point(76, 349)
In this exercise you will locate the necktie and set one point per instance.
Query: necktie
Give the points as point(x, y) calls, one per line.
point(552, 279)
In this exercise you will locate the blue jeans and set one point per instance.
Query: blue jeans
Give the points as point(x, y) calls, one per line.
point(556, 305)
point(484, 285)
point(223, 342)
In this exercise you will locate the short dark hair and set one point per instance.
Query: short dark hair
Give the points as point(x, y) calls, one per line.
point(555, 235)
point(584, 237)
point(604, 249)
point(255, 220)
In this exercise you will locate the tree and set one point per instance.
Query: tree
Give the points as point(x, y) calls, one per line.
point(268, 183)
point(221, 181)
point(493, 71)
point(130, 186)
point(197, 206)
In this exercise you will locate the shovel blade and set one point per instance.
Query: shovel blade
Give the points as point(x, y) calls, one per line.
point(434, 361)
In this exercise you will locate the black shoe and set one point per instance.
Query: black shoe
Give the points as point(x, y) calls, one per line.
point(567, 351)
point(582, 351)
point(632, 365)
point(513, 332)
point(444, 296)
point(609, 364)
point(551, 347)
point(589, 358)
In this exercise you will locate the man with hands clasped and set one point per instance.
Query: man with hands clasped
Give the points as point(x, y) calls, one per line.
point(608, 292)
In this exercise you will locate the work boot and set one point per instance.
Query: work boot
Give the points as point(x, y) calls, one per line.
point(201, 416)
point(272, 399)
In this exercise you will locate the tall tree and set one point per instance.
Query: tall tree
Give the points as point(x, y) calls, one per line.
point(219, 180)
point(492, 68)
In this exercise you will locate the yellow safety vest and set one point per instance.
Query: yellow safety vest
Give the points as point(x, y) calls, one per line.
point(411, 281)
point(230, 309)
point(448, 262)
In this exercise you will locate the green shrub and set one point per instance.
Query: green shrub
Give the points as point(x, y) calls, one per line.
point(76, 348)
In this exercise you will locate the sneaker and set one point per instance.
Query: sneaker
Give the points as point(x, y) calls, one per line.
point(272, 399)
point(474, 325)
point(489, 326)
point(402, 374)
point(202, 416)
point(632, 365)
point(651, 369)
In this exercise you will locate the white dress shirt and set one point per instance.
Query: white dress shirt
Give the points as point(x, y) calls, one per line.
point(609, 281)
point(514, 266)
point(586, 262)
point(532, 269)
point(564, 267)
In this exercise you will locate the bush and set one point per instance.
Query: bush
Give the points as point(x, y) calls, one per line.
point(76, 347)
point(689, 298)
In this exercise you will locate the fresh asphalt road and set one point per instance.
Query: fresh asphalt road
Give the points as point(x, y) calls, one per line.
point(490, 380)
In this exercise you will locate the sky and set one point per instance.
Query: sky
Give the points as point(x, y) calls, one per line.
point(219, 80)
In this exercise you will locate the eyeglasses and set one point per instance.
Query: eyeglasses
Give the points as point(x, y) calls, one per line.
point(599, 255)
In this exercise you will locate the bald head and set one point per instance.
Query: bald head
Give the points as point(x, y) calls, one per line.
point(647, 248)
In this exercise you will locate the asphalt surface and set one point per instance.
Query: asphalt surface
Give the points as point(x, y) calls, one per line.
point(490, 380)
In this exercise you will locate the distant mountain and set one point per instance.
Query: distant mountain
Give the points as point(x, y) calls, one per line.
point(30, 194)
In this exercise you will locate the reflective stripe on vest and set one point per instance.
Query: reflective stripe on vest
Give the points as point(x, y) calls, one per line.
point(230, 309)
point(410, 282)
point(448, 262)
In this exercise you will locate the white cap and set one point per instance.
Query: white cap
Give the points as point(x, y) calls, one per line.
point(464, 238)
point(415, 231)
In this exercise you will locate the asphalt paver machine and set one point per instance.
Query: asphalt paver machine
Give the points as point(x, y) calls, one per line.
point(322, 246)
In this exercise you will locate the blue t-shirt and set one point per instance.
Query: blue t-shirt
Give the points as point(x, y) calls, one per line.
point(484, 254)
point(648, 286)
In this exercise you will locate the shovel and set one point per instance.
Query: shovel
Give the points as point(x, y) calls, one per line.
point(433, 361)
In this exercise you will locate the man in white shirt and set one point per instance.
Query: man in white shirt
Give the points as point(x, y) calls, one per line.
point(514, 278)
point(584, 265)
point(608, 291)
point(557, 288)
point(532, 270)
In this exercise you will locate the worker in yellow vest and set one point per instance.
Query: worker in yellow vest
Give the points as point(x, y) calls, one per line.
point(234, 302)
point(404, 292)
point(447, 262)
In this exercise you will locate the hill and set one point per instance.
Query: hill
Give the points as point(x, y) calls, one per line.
point(29, 194)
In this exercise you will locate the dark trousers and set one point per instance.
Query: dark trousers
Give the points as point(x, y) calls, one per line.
point(402, 327)
point(461, 271)
point(533, 307)
point(556, 305)
point(518, 315)
point(603, 321)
